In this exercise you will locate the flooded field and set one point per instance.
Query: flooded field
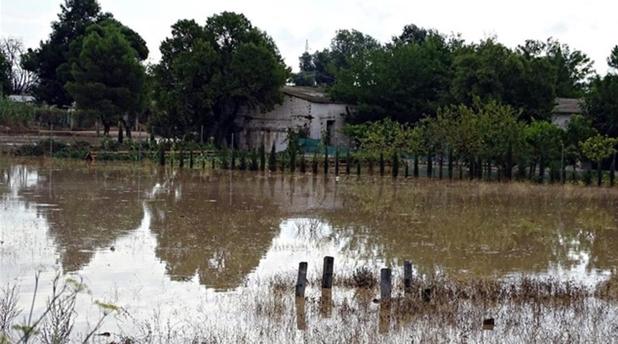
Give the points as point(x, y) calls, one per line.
point(203, 256)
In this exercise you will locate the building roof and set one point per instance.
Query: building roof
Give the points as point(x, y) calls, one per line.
point(21, 98)
point(311, 94)
point(568, 106)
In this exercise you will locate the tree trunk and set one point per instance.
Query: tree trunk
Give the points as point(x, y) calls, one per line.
point(429, 166)
point(508, 167)
point(127, 129)
point(612, 172)
point(120, 132)
point(471, 168)
point(416, 173)
point(460, 165)
point(450, 164)
point(599, 173)
point(440, 166)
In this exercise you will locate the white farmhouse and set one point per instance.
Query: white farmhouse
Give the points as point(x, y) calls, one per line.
point(307, 110)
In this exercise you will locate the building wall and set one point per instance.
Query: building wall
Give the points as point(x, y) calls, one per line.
point(295, 114)
point(561, 120)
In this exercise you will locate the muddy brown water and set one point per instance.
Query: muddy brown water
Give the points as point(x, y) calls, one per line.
point(174, 242)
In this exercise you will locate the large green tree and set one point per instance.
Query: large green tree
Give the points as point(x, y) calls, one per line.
point(601, 102)
point(321, 67)
point(489, 71)
point(50, 62)
point(572, 67)
point(107, 75)
point(209, 74)
point(404, 81)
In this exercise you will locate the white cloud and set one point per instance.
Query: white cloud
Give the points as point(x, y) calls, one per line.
point(588, 26)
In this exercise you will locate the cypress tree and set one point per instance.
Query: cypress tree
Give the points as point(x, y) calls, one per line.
point(325, 160)
point(224, 156)
point(243, 161)
point(395, 166)
point(262, 157)
point(612, 172)
point(293, 160)
point(450, 164)
point(303, 164)
point(254, 160)
point(337, 161)
point(272, 159)
point(314, 163)
point(161, 155)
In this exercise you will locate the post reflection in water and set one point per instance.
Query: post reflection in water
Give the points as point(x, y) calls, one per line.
point(384, 317)
point(211, 232)
point(301, 321)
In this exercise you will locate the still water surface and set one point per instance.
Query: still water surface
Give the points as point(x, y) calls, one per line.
point(175, 241)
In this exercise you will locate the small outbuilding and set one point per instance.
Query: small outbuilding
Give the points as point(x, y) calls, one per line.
point(305, 110)
point(564, 109)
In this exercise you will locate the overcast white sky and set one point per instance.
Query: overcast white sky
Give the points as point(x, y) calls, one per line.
point(590, 26)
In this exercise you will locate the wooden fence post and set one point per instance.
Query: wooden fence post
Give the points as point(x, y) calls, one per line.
point(427, 294)
point(385, 285)
point(327, 274)
point(301, 282)
point(407, 276)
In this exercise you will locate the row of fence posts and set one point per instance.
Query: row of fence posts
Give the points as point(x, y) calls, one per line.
point(386, 288)
point(395, 160)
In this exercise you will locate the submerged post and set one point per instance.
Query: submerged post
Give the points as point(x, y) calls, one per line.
point(301, 282)
point(327, 274)
point(407, 276)
point(385, 285)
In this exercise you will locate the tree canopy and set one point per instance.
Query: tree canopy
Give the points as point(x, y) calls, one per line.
point(321, 67)
point(209, 74)
point(52, 61)
point(107, 76)
point(601, 101)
